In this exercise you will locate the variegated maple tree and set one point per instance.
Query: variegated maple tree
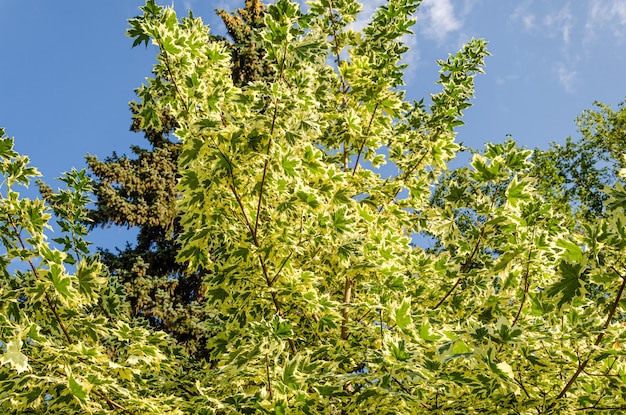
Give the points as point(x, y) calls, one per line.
point(304, 196)
point(67, 344)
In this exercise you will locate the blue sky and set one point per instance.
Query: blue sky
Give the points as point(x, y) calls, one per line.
point(68, 71)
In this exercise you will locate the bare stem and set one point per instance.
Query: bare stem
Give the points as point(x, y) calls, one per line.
point(51, 303)
point(347, 297)
point(582, 365)
point(269, 381)
point(466, 266)
point(367, 133)
point(171, 74)
point(344, 85)
point(112, 404)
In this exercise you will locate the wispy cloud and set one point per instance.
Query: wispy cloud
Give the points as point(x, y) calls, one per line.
point(605, 14)
point(506, 79)
point(524, 15)
point(567, 77)
point(561, 21)
point(440, 19)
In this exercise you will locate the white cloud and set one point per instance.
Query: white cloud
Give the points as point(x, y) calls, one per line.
point(440, 18)
point(562, 22)
point(506, 79)
point(606, 14)
point(567, 77)
point(522, 14)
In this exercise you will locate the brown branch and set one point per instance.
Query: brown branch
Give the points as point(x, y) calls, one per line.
point(252, 230)
point(280, 269)
point(269, 145)
point(46, 296)
point(582, 365)
point(269, 381)
point(367, 133)
point(405, 176)
point(470, 260)
point(404, 389)
point(344, 85)
point(526, 285)
point(602, 408)
point(268, 280)
point(347, 297)
point(245, 215)
point(112, 404)
point(265, 166)
point(171, 74)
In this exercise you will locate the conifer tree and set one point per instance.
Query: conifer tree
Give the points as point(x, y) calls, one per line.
point(140, 191)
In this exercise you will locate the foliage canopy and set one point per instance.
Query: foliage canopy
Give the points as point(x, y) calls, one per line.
point(301, 194)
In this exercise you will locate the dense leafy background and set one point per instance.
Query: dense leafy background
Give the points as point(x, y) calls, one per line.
point(301, 192)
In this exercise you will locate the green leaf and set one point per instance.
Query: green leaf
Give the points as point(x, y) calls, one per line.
point(341, 222)
point(426, 332)
point(61, 281)
point(398, 351)
point(402, 315)
point(78, 390)
point(516, 192)
point(281, 328)
point(289, 377)
point(89, 280)
point(569, 286)
point(572, 252)
point(14, 357)
point(308, 198)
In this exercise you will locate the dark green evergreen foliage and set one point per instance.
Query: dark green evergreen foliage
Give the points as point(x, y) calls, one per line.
point(577, 171)
point(140, 191)
point(248, 63)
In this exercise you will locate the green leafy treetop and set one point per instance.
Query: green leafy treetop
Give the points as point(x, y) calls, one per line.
point(67, 346)
point(575, 174)
point(141, 192)
point(317, 299)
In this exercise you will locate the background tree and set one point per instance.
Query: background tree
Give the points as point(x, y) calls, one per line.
point(319, 301)
point(316, 297)
point(140, 192)
point(66, 343)
point(574, 174)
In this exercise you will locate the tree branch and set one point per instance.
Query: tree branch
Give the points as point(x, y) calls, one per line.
point(347, 297)
point(582, 365)
point(367, 133)
point(269, 381)
point(46, 296)
point(344, 85)
point(470, 260)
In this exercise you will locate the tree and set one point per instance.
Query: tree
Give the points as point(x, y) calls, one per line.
point(67, 345)
point(140, 191)
point(319, 300)
point(300, 196)
point(575, 174)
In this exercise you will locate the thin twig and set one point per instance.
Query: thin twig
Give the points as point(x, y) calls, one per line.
point(269, 381)
point(582, 365)
point(46, 296)
point(112, 404)
point(280, 269)
point(367, 133)
point(171, 74)
point(344, 85)
point(470, 260)
point(347, 297)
